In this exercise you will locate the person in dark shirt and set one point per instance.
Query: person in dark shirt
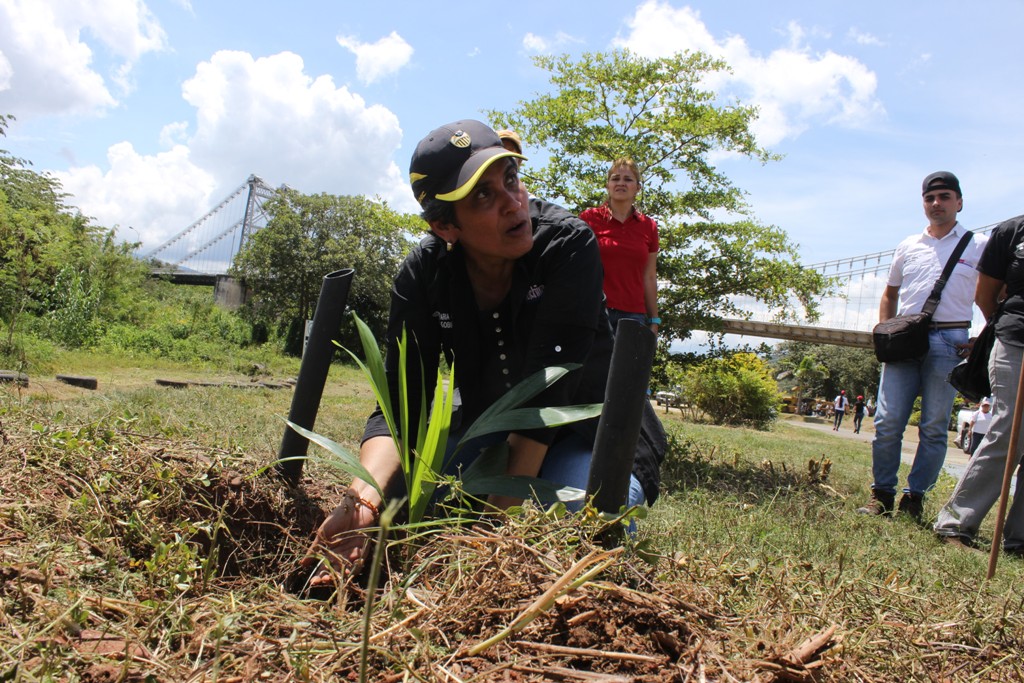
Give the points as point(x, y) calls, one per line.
point(504, 286)
point(859, 408)
point(1001, 266)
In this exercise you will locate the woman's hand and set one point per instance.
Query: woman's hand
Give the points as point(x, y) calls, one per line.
point(341, 540)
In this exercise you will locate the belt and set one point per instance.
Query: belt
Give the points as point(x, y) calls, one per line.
point(960, 325)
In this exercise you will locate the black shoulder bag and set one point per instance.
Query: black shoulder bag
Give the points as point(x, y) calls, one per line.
point(970, 377)
point(906, 336)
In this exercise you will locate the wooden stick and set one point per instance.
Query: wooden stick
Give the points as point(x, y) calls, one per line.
point(1011, 461)
point(588, 652)
point(810, 647)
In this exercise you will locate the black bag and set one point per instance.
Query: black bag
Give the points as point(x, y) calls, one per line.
point(970, 378)
point(904, 337)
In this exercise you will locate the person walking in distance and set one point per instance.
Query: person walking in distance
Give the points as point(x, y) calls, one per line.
point(917, 263)
point(859, 408)
point(839, 406)
point(980, 421)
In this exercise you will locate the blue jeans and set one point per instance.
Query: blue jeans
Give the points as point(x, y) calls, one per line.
point(567, 463)
point(981, 484)
point(615, 315)
point(901, 383)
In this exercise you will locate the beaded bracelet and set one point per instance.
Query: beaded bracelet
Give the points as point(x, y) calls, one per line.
point(358, 500)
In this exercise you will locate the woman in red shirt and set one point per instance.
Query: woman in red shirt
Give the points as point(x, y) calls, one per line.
point(628, 241)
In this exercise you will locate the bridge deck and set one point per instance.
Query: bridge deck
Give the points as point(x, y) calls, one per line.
point(814, 335)
point(186, 278)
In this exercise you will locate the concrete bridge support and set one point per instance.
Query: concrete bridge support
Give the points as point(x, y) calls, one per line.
point(229, 292)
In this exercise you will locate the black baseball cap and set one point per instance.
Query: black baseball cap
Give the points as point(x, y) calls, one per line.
point(941, 180)
point(448, 163)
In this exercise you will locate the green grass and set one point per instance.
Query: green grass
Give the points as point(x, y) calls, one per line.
point(755, 533)
point(133, 512)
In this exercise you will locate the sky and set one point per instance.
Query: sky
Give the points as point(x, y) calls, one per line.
point(151, 111)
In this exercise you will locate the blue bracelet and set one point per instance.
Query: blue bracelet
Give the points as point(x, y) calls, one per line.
point(654, 321)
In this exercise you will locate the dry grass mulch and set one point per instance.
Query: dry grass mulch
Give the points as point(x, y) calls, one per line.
point(126, 557)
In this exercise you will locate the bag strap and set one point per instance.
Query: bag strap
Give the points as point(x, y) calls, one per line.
point(933, 299)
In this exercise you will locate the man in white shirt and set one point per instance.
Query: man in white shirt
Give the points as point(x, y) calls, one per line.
point(980, 421)
point(916, 264)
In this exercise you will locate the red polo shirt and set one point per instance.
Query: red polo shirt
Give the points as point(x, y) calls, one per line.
point(625, 248)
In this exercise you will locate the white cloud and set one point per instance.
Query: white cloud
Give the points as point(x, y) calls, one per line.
point(174, 134)
point(44, 42)
point(862, 38)
point(157, 196)
point(6, 71)
point(267, 116)
point(261, 116)
point(541, 45)
point(375, 61)
point(793, 88)
point(534, 43)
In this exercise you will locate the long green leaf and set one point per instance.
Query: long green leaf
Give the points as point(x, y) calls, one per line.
point(373, 368)
point(535, 418)
point(430, 452)
point(347, 461)
point(421, 424)
point(516, 396)
point(403, 438)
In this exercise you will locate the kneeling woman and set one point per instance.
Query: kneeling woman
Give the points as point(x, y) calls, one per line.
point(504, 286)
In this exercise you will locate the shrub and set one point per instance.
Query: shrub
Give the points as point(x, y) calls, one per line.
point(735, 390)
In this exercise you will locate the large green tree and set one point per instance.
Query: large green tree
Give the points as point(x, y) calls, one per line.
point(55, 265)
point(853, 369)
point(657, 111)
point(309, 236)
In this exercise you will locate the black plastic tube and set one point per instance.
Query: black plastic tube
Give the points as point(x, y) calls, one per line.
point(316, 361)
point(618, 430)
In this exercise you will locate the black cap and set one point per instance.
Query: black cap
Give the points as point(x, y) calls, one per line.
point(448, 163)
point(941, 180)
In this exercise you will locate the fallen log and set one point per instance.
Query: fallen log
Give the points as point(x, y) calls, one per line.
point(19, 378)
point(184, 383)
point(76, 381)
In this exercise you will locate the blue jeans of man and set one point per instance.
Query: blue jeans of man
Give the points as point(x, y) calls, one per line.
point(900, 384)
point(981, 483)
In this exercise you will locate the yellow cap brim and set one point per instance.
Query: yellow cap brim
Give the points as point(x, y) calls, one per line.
point(485, 161)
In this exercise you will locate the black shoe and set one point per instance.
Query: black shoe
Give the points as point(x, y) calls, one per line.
point(880, 504)
point(913, 505)
point(1017, 552)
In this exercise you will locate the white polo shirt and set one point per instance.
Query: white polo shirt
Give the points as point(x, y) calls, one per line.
point(918, 262)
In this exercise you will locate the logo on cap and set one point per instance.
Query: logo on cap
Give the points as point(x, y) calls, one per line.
point(461, 139)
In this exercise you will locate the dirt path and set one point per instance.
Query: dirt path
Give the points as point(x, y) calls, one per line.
point(956, 459)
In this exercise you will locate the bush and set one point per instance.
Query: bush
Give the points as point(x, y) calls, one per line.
point(735, 390)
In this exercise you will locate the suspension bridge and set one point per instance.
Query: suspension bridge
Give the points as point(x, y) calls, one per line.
point(203, 251)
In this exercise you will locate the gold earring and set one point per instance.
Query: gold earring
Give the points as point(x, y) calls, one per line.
point(450, 245)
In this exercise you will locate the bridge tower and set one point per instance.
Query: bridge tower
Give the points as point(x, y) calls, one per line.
point(200, 247)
